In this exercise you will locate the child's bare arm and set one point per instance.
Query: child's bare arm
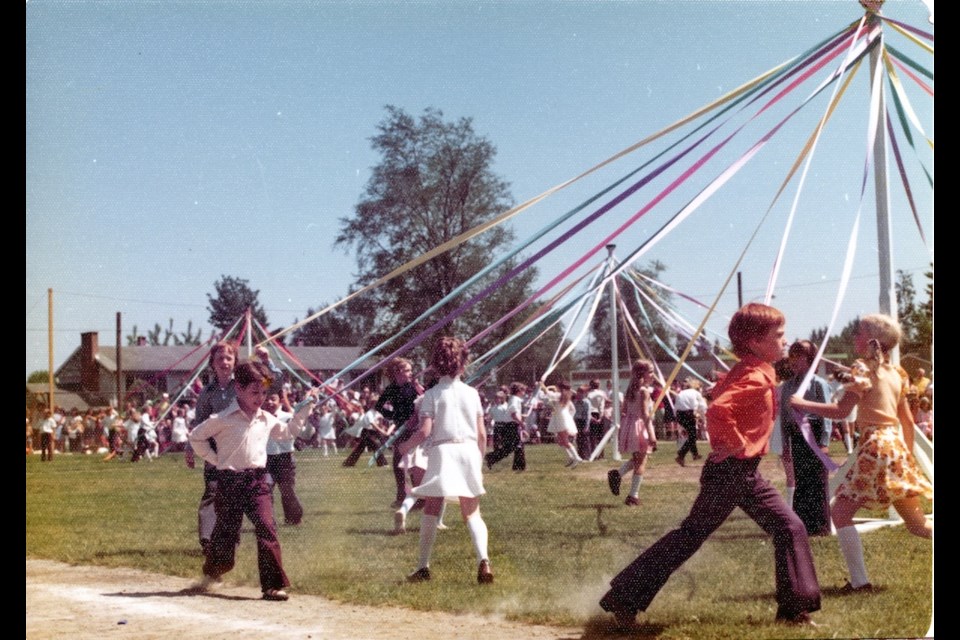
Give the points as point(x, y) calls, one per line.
point(831, 410)
point(906, 422)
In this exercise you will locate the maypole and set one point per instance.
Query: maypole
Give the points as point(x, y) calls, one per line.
point(888, 296)
point(50, 386)
point(888, 299)
point(249, 328)
point(614, 356)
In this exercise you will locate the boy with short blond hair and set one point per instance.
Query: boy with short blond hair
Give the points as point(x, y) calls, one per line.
point(739, 421)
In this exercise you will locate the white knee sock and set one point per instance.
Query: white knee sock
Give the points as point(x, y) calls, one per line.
point(572, 452)
point(626, 467)
point(334, 445)
point(789, 496)
point(635, 485)
point(326, 451)
point(847, 440)
point(428, 533)
point(408, 503)
point(478, 534)
point(852, 550)
point(443, 511)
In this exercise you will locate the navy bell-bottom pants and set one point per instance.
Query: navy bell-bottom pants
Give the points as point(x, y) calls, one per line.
point(724, 486)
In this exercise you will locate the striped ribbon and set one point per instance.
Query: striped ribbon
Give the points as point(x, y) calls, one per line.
point(419, 339)
point(687, 332)
point(903, 178)
point(923, 85)
point(468, 235)
point(520, 332)
point(902, 26)
point(900, 94)
point(743, 92)
point(575, 319)
point(809, 151)
point(902, 57)
point(872, 132)
point(708, 192)
point(652, 281)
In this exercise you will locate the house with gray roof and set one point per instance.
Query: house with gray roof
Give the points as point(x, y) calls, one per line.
point(146, 371)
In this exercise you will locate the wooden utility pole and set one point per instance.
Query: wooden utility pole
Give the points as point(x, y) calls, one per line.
point(119, 374)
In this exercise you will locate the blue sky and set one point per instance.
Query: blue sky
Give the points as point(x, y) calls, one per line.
point(168, 143)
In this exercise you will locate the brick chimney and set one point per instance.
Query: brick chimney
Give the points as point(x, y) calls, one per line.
point(89, 372)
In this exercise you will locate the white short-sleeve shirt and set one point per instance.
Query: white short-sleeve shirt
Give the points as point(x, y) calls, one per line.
point(455, 408)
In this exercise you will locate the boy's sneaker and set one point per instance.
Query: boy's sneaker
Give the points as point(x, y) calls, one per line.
point(420, 575)
point(207, 584)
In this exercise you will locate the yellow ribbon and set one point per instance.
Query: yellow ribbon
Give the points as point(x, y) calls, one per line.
point(898, 87)
point(911, 37)
point(816, 133)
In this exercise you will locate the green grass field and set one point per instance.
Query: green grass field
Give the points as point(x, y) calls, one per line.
point(556, 537)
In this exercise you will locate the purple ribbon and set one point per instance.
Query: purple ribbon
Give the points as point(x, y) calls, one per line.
point(913, 30)
point(807, 432)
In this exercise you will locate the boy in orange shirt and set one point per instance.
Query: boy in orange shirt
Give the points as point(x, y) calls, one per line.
point(739, 422)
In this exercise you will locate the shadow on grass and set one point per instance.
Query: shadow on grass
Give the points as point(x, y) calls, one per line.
point(177, 552)
point(599, 507)
point(189, 592)
point(838, 592)
point(603, 626)
point(770, 596)
point(383, 532)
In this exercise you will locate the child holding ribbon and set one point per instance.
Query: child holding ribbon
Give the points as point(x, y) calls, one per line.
point(884, 471)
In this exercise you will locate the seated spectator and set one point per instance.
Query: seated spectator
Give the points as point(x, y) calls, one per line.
point(924, 417)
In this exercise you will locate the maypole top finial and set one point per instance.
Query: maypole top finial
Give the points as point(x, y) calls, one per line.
point(873, 6)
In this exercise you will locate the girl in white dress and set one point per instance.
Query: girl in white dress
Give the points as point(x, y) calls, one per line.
point(561, 420)
point(326, 429)
point(454, 437)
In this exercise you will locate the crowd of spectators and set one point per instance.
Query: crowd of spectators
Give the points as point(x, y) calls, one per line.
point(156, 428)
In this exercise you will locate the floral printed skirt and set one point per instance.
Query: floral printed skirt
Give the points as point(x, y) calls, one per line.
point(884, 471)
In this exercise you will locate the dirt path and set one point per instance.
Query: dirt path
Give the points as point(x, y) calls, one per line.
point(100, 603)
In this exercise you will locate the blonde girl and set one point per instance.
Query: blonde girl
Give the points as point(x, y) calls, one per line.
point(884, 471)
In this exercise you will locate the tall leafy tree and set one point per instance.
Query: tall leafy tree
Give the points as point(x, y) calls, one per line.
point(231, 299)
point(434, 181)
point(916, 318)
point(840, 346)
point(916, 322)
